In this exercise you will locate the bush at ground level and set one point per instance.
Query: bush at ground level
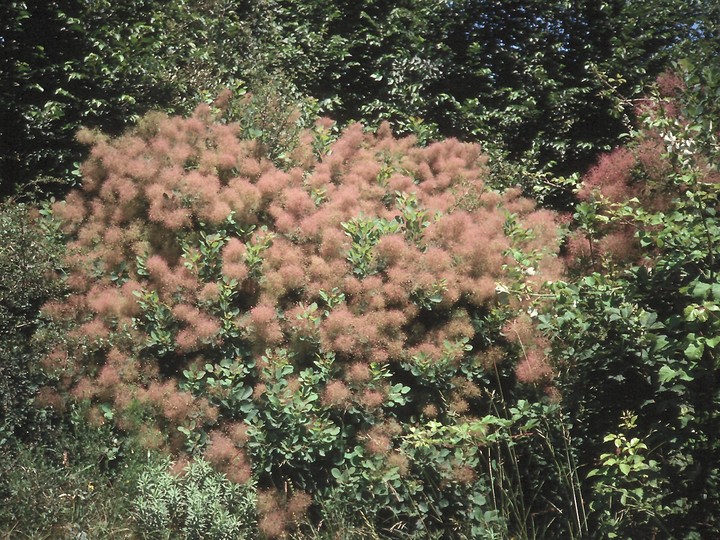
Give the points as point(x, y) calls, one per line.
point(327, 328)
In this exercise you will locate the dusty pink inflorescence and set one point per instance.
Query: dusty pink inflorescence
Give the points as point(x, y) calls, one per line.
point(640, 174)
point(135, 231)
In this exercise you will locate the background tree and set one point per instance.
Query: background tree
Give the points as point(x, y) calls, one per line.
point(101, 64)
point(537, 81)
point(548, 82)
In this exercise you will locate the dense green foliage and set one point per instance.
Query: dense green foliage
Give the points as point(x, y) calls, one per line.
point(30, 255)
point(547, 83)
point(637, 343)
point(533, 79)
point(247, 321)
point(102, 64)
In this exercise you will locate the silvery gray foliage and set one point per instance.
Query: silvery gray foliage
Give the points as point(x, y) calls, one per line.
point(200, 503)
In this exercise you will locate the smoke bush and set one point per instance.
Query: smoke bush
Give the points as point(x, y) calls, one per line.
point(644, 175)
point(319, 310)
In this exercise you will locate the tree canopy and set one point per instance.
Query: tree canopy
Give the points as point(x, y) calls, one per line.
point(547, 83)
